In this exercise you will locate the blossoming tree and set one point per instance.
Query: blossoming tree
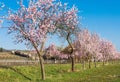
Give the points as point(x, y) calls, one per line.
point(67, 27)
point(83, 45)
point(108, 50)
point(31, 24)
point(87, 46)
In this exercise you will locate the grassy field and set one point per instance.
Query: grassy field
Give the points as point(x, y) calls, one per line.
point(60, 73)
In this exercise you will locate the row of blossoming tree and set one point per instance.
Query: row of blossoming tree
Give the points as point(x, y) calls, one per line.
point(87, 47)
point(32, 24)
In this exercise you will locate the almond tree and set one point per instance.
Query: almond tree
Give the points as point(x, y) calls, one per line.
point(67, 27)
point(83, 45)
point(95, 43)
point(87, 45)
point(90, 46)
point(53, 51)
point(80, 51)
point(116, 57)
point(107, 49)
point(31, 24)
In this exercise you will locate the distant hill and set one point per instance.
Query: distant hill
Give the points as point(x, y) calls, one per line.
point(4, 50)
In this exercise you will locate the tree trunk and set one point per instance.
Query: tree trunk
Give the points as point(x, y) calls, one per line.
point(73, 63)
point(103, 61)
point(71, 53)
point(95, 62)
point(42, 68)
point(83, 65)
point(40, 59)
point(89, 62)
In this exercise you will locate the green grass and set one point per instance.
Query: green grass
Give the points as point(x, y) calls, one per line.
point(60, 73)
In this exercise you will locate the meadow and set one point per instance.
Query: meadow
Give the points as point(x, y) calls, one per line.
point(61, 73)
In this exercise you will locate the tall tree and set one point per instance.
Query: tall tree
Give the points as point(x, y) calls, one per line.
point(107, 49)
point(67, 27)
point(83, 45)
point(95, 47)
point(31, 24)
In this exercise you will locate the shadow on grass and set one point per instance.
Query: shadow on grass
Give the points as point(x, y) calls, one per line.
point(13, 69)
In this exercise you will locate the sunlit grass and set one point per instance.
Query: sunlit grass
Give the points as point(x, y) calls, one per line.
point(61, 73)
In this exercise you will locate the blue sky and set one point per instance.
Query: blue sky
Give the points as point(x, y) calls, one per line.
point(100, 16)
